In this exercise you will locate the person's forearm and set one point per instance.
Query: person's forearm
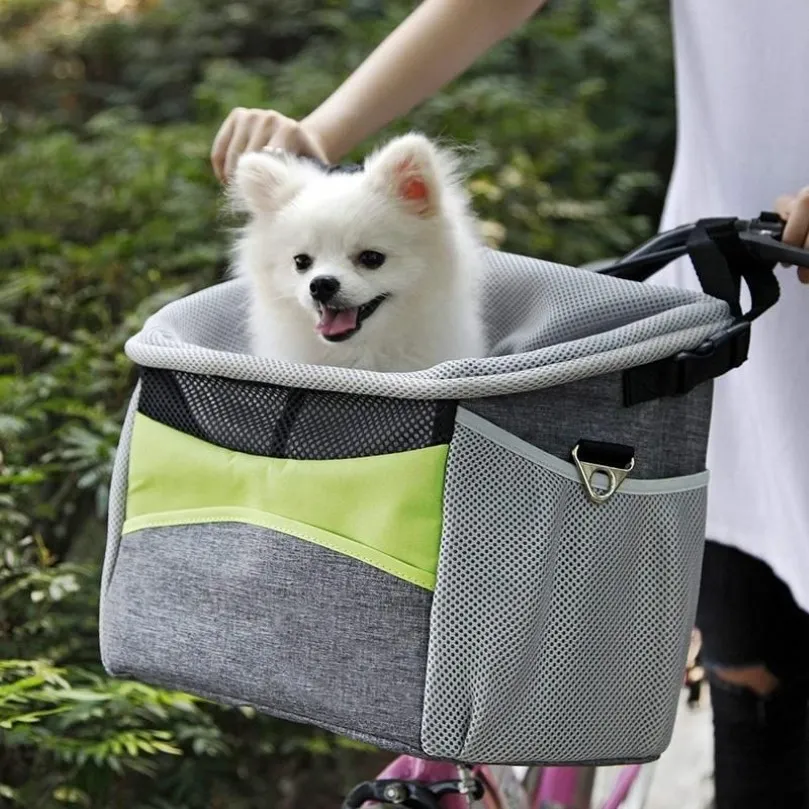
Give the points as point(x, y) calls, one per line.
point(436, 43)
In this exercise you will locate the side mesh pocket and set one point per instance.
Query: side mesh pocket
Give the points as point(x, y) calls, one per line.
point(559, 627)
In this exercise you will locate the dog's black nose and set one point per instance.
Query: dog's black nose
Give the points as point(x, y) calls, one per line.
point(324, 288)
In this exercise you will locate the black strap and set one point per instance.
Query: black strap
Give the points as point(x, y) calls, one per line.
point(711, 245)
point(603, 453)
point(721, 262)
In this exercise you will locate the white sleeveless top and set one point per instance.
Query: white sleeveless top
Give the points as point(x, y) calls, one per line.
point(743, 140)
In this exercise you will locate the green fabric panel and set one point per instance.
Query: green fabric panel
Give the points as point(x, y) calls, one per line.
point(383, 509)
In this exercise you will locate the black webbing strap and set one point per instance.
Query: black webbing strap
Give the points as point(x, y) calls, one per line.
point(711, 246)
point(721, 261)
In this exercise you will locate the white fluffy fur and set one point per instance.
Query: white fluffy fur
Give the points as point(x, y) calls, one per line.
point(431, 244)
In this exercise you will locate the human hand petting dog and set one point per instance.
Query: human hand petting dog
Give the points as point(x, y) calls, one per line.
point(794, 210)
point(251, 130)
point(436, 43)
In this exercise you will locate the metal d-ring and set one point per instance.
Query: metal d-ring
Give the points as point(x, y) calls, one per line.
point(615, 477)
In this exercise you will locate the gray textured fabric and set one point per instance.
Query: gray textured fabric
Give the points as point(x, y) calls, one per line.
point(559, 628)
point(669, 435)
point(252, 616)
point(116, 511)
point(547, 324)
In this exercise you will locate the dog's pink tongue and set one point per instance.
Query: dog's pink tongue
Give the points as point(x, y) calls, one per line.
point(334, 322)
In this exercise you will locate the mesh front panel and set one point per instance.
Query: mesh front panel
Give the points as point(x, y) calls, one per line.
point(287, 423)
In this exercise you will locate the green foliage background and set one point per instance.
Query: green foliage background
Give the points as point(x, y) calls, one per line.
point(108, 210)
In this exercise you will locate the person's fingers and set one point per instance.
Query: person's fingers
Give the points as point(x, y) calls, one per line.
point(797, 226)
point(238, 142)
point(783, 206)
point(796, 230)
point(219, 148)
point(290, 137)
point(248, 130)
point(263, 129)
point(283, 138)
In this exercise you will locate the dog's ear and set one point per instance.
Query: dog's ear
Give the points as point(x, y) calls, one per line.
point(408, 169)
point(264, 181)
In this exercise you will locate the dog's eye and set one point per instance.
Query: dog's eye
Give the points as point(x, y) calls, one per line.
point(371, 259)
point(303, 262)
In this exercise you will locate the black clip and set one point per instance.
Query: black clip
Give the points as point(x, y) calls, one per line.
point(716, 356)
point(682, 373)
point(411, 794)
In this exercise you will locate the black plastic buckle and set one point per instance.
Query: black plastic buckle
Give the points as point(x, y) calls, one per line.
point(682, 373)
point(410, 794)
point(716, 356)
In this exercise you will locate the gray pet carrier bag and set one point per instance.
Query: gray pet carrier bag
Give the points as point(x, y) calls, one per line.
point(494, 560)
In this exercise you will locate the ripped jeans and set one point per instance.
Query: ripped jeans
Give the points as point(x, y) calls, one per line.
point(755, 645)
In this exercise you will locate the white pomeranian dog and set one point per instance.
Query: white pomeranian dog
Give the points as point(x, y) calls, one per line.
point(377, 268)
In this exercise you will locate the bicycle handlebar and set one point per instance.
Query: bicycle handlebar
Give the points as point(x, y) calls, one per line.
point(761, 237)
point(724, 252)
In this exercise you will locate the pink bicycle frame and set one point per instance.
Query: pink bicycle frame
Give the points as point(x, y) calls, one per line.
point(408, 768)
point(558, 789)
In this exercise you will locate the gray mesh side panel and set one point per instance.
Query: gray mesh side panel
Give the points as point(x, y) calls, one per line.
point(559, 628)
point(116, 511)
point(251, 616)
point(669, 435)
point(547, 324)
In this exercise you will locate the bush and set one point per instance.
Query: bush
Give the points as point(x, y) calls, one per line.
point(97, 234)
point(110, 210)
